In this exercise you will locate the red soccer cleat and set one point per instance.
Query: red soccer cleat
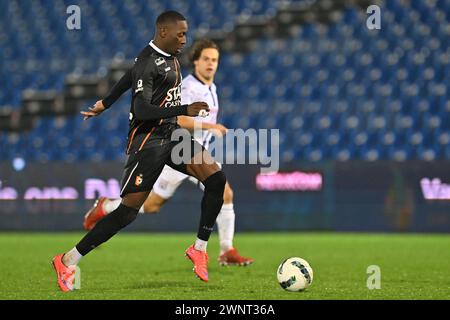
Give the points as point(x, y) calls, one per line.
point(65, 275)
point(233, 258)
point(200, 261)
point(95, 214)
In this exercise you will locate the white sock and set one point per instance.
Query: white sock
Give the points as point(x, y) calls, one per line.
point(200, 244)
point(112, 205)
point(225, 226)
point(72, 257)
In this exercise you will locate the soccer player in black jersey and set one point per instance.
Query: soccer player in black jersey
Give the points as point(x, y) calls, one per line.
point(204, 56)
point(155, 104)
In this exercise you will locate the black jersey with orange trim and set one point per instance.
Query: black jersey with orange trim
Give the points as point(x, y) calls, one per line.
point(157, 77)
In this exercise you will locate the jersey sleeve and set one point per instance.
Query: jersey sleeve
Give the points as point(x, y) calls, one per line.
point(143, 93)
point(142, 80)
point(123, 85)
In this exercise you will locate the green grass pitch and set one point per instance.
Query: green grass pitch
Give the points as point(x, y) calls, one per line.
point(153, 266)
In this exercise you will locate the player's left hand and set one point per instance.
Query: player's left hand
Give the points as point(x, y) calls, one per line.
point(94, 110)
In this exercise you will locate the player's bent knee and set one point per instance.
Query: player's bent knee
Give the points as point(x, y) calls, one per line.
point(135, 200)
point(228, 195)
point(152, 208)
point(154, 203)
point(215, 183)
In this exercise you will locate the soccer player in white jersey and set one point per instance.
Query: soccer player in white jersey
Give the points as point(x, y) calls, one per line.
point(198, 86)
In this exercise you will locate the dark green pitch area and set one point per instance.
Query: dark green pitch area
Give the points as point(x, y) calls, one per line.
point(153, 266)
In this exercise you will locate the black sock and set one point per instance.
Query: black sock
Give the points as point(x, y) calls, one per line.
point(106, 228)
point(211, 203)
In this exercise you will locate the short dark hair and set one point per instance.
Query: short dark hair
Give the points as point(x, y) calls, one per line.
point(199, 46)
point(169, 17)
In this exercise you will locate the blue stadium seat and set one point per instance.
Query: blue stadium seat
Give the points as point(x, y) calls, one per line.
point(336, 92)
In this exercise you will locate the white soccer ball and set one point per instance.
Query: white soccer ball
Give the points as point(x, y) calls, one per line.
point(295, 274)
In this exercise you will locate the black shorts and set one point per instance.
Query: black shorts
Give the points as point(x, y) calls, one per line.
point(144, 167)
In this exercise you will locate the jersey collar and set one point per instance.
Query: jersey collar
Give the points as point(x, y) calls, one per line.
point(158, 49)
point(201, 81)
point(198, 79)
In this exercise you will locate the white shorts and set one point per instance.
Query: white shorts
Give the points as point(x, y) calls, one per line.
point(170, 179)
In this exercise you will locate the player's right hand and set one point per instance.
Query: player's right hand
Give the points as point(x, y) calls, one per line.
point(94, 110)
point(195, 108)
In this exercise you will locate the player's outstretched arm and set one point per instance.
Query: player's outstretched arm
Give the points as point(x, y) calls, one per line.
point(191, 125)
point(122, 86)
point(117, 90)
point(145, 111)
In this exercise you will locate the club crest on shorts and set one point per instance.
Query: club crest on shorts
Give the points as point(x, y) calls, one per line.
point(139, 180)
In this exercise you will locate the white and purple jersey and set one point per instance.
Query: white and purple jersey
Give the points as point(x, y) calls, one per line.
point(195, 90)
